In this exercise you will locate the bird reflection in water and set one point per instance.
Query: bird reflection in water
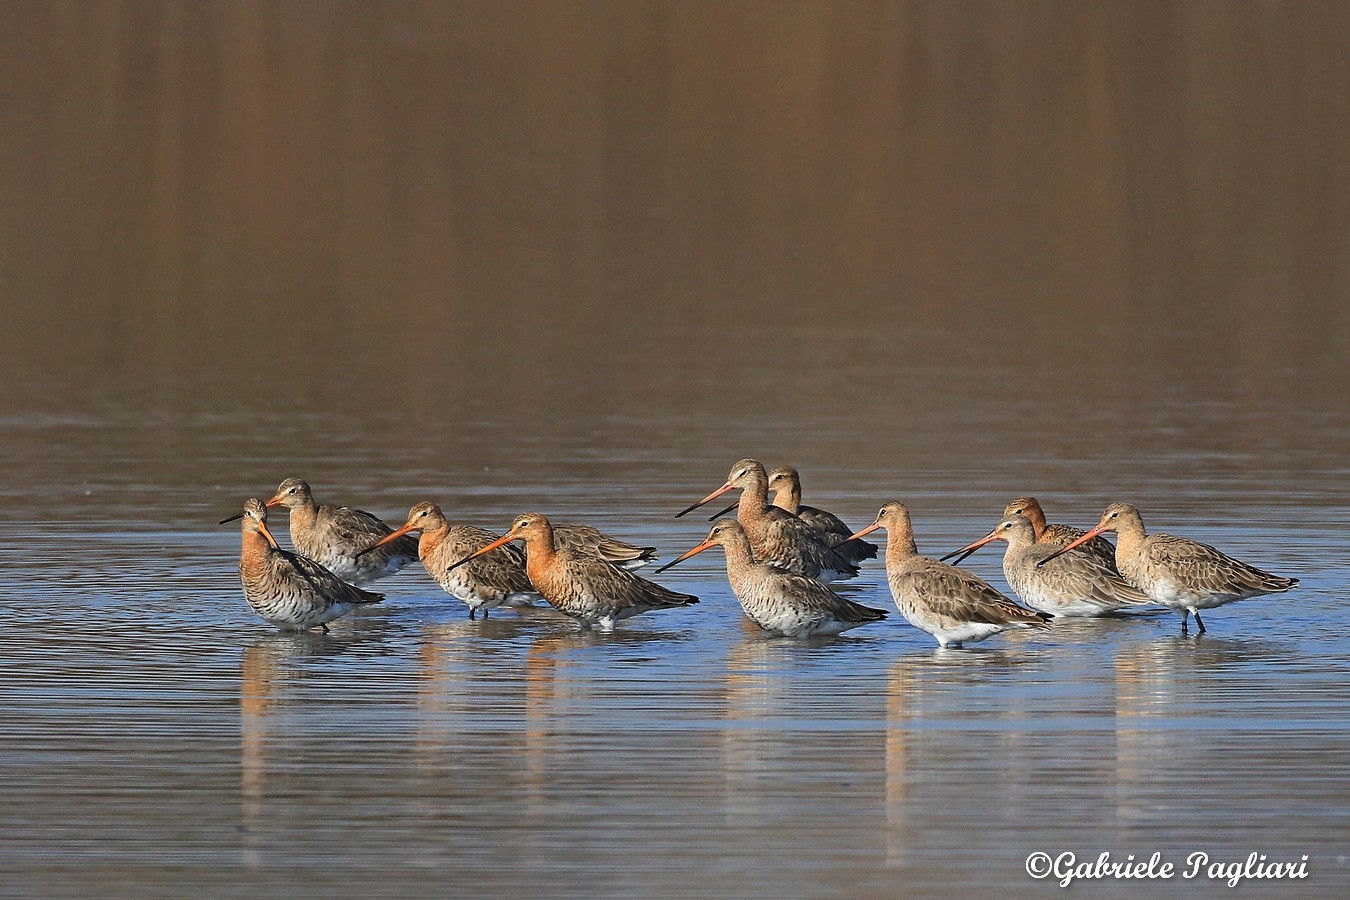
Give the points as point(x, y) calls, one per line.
point(459, 665)
point(1157, 684)
point(557, 686)
point(930, 768)
point(264, 676)
point(756, 690)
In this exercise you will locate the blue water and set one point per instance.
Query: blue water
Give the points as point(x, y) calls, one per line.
point(157, 734)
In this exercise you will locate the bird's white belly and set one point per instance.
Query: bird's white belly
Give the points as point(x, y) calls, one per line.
point(946, 630)
point(791, 624)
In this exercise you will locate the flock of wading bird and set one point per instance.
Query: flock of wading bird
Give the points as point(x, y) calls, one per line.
point(779, 555)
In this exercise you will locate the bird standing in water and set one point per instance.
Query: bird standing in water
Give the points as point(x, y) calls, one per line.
point(1073, 585)
point(584, 587)
point(1181, 574)
point(780, 602)
point(487, 582)
point(335, 536)
point(776, 535)
point(953, 605)
point(1056, 536)
point(290, 591)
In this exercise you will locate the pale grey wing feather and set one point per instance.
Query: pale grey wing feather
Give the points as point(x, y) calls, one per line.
point(963, 596)
point(324, 584)
point(358, 528)
point(815, 597)
point(502, 570)
point(1099, 547)
point(808, 593)
point(1205, 568)
point(357, 523)
point(619, 588)
point(594, 542)
point(1086, 577)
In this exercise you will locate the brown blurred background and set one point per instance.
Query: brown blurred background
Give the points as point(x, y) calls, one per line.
point(191, 190)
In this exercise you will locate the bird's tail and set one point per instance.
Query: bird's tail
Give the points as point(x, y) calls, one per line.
point(856, 612)
point(362, 597)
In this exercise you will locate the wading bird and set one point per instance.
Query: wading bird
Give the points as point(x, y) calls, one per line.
point(1181, 574)
point(290, 591)
point(590, 590)
point(780, 602)
point(953, 605)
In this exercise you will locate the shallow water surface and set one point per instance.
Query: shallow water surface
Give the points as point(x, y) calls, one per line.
point(158, 734)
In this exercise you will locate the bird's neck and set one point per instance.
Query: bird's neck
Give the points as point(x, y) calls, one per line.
point(739, 555)
point(540, 551)
point(900, 546)
point(1130, 537)
point(303, 516)
point(753, 503)
point(788, 498)
point(254, 553)
point(431, 539)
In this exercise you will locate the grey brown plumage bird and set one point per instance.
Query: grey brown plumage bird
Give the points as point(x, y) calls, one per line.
point(288, 590)
point(593, 542)
point(584, 587)
point(1181, 574)
point(335, 536)
point(780, 602)
point(786, 486)
point(785, 489)
point(1072, 585)
point(777, 536)
point(954, 606)
point(1056, 536)
point(497, 579)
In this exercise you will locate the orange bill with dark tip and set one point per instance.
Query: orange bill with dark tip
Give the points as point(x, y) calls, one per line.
point(713, 496)
point(504, 539)
point(970, 548)
point(693, 552)
point(407, 527)
point(262, 527)
point(864, 533)
point(1067, 547)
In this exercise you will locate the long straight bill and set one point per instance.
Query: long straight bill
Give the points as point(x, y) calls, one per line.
point(864, 533)
point(1067, 547)
point(694, 552)
point(969, 548)
point(504, 539)
point(387, 538)
point(262, 526)
point(713, 496)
